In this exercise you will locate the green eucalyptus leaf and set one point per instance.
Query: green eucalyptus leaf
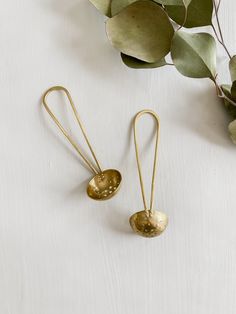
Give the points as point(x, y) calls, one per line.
point(232, 68)
point(194, 55)
point(141, 30)
point(226, 89)
point(233, 90)
point(104, 6)
point(174, 2)
point(118, 5)
point(199, 13)
point(187, 2)
point(170, 2)
point(232, 131)
point(230, 107)
point(134, 63)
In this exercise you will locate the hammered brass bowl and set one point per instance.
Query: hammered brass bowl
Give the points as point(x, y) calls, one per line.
point(104, 185)
point(148, 223)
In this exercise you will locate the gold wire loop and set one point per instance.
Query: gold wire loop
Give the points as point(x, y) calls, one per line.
point(138, 115)
point(63, 89)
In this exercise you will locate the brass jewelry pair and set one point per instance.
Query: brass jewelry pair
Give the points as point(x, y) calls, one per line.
point(106, 183)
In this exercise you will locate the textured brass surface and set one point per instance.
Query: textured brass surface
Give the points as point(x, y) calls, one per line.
point(148, 223)
point(104, 185)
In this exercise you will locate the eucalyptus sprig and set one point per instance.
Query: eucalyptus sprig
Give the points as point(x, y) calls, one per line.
point(146, 31)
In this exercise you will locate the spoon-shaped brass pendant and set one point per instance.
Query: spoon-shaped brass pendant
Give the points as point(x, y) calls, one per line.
point(105, 183)
point(148, 223)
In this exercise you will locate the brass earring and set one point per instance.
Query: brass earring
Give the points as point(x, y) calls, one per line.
point(148, 223)
point(105, 183)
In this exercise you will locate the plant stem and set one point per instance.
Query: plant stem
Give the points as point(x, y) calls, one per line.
point(219, 38)
point(218, 21)
point(218, 6)
point(221, 42)
point(226, 98)
point(221, 94)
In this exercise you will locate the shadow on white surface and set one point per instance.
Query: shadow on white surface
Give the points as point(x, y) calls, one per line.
point(78, 190)
point(206, 116)
point(118, 221)
point(82, 35)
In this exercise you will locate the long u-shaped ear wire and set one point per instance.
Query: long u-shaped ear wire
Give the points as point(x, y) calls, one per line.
point(138, 115)
point(65, 133)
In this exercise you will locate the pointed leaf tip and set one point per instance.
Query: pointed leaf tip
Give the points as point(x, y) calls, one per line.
point(194, 55)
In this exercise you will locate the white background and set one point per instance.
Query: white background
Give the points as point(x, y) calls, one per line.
point(62, 253)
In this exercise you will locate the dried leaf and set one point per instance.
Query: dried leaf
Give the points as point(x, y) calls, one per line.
point(118, 5)
point(232, 131)
point(187, 2)
point(233, 90)
point(174, 2)
point(134, 63)
point(228, 105)
point(141, 30)
point(194, 55)
point(199, 13)
point(232, 68)
point(104, 6)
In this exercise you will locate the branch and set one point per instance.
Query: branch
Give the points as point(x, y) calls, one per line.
point(221, 42)
point(219, 38)
point(218, 6)
point(221, 94)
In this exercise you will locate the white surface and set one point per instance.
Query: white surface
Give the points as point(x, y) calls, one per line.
point(61, 253)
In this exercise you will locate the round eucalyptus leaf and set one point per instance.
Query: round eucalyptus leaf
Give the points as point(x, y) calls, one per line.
point(118, 5)
point(230, 107)
point(134, 63)
point(232, 131)
point(194, 55)
point(226, 89)
point(104, 6)
point(199, 13)
point(141, 30)
point(232, 68)
point(174, 2)
point(187, 2)
point(170, 2)
point(233, 90)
